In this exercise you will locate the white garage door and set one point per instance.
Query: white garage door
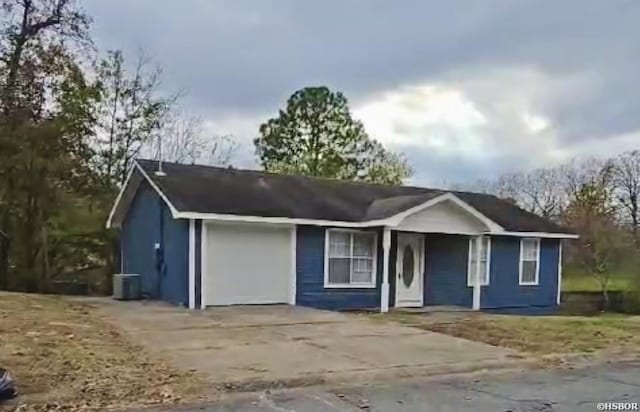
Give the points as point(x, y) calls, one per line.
point(247, 264)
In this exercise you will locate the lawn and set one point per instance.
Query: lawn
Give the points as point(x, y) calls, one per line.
point(535, 334)
point(589, 284)
point(63, 355)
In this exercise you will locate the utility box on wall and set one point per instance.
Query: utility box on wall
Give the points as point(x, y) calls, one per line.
point(127, 287)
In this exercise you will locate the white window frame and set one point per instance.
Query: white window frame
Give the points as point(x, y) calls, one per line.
point(470, 276)
point(368, 285)
point(536, 282)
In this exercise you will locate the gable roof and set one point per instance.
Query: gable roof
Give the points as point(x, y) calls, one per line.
point(202, 190)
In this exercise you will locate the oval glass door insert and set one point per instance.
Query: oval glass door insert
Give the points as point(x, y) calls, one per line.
point(408, 266)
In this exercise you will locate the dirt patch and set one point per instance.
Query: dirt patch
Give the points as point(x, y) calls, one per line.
point(536, 334)
point(63, 356)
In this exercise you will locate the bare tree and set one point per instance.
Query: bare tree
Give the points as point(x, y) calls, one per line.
point(181, 139)
point(591, 212)
point(581, 172)
point(185, 141)
point(540, 191)
point(221, 150)
point(132, 113)
point(626, 180)
point(543, 190)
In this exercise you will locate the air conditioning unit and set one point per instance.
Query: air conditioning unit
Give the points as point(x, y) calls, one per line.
point(127, 286)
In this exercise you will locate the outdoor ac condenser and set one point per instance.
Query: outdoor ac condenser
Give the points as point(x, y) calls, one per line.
point(126, 286)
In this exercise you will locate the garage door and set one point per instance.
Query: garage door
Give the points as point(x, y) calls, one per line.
point(247, 264)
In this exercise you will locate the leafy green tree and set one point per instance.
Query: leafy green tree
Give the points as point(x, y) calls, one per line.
point(43, 119)
point(316, 135)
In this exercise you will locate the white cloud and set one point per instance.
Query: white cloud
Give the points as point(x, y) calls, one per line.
point(463, 126)
point(427, 116)
point(468, 95)
point(242, 127)
point(497, 120)
point(535, 122)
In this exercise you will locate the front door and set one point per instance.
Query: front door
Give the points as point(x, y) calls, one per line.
point(409, 270)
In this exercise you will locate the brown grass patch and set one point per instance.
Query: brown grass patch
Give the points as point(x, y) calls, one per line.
point(64, 356)
point(536, 334)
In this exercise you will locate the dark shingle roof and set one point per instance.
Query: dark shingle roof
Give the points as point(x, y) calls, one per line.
point(206, 189)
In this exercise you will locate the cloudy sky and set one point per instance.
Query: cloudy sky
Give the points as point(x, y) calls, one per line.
point(466, 89)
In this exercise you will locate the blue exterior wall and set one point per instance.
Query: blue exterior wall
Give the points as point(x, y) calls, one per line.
point(175, 245)
point(138, 236)
point(446, 261)
point(310, 290)
point(164, 272)
point(505, 293)
point(445, 277)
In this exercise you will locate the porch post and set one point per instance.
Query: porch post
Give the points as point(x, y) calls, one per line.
point(559, 292)
point(192, 264)
point(476, 280)
point(384, 287)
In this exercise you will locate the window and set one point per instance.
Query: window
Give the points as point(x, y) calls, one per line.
point(479, 264)
point(529, 261)
point(351, 259)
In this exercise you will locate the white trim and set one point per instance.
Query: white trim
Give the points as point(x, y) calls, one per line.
point(349, 286)
point(537, 280)
point(545, 235)
point(421, 264)
point(470, 280)
point(445, 232)
point(293, 276)
point(384, 286)
point(477, 288)
point(370, 285)
point(279, 220)
point(203, 265)
point(490, 224)
point(390, 221)
point(559, 272)
point(120, 194)
point(192, 264)
point(174, 211)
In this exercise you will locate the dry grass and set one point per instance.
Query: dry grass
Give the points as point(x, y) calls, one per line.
point(536, 334)
point(64, 357)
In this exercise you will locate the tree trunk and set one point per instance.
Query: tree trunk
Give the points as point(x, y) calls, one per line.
point(5, 245)
point(46, 271)
point(605, 299)
point(110, 269)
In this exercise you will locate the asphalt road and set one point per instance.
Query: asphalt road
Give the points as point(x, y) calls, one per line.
point(540, 391)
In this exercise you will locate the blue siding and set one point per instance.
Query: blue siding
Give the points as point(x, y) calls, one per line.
point(138, 236)
point(310, 289)
point(446, 258)
point(175, 246)
point(164, 272)
point(505, 293)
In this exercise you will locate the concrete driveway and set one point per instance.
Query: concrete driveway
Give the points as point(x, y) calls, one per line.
point(252, 347)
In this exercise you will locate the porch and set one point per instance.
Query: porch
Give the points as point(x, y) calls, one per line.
point(431, 271)
point(443, 254)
